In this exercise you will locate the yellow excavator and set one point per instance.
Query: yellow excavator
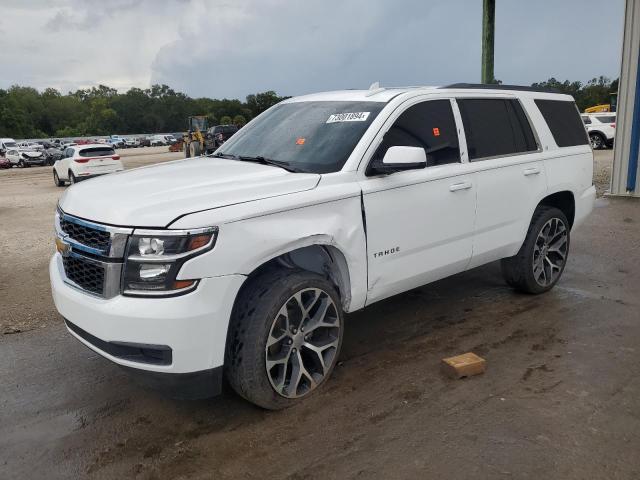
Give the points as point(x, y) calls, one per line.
point(605, 107)
point(193, 139)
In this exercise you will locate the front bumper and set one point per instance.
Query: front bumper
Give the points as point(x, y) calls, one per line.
point(193, 326)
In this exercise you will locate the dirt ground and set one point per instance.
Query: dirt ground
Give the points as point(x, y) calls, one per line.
point(560, 398)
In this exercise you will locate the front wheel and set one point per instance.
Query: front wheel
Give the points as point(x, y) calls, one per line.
point(538, 265)
point(195, 149)
point(284, 339)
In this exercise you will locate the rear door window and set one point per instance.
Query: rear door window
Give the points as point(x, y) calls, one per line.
point(97, 152)
point(495, 127)
point(563, 120)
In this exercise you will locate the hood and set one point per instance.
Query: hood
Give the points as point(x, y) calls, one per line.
point(30, 153)
point(156, 195)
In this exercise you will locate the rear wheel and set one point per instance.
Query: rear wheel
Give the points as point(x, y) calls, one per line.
point(56, 180)
point(538, 265)
point(284, 338)
point(597, 141)
point(186, 149)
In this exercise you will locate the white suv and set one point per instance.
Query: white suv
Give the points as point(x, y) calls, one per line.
point(601, 128)
point(245, 262)
point(80, 162)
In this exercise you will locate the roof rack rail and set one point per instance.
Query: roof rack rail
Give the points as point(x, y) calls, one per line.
point(495, 86)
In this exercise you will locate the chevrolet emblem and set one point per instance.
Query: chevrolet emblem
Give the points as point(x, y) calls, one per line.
point(63, 248)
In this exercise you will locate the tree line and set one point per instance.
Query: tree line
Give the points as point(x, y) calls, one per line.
point(27, 113)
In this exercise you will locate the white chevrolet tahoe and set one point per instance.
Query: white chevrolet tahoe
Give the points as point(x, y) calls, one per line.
point(244, 262)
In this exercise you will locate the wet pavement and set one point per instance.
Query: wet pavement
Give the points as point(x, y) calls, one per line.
point(560, 397)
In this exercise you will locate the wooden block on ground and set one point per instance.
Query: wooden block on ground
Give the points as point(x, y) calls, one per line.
point(465, 365)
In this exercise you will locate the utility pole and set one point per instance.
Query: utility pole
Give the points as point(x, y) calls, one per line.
point(488, 27)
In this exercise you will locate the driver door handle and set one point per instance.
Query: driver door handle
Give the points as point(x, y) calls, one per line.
point(531, 171)
point(460, 186)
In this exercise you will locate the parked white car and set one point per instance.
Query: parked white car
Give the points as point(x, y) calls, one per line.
point(20, 157)
point(6, 144)
point(157, 140)
point(245, 263)
point(601, 128)
point(80, 162)
point(132, 143)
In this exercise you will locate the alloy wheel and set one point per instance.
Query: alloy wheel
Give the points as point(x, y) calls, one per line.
point(303, 343)
point(596, 141)
point(550, 252)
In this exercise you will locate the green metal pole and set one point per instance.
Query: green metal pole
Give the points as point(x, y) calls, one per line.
point(488, 27)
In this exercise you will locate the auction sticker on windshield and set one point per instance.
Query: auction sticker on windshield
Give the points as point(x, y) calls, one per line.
point(348, 117)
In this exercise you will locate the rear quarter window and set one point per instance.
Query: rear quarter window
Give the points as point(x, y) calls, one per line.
point(564, 121)
point(97, 152)
point(606, 118)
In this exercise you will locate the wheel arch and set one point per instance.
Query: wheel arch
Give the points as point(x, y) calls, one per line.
point(564, 201)
point(313, 255)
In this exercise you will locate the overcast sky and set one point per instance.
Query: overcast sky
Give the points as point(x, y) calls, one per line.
point(223, 48)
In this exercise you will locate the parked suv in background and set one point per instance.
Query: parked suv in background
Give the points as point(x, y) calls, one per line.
point(244, 262)
point(85, 161)
point(601, 128)
point(217, 135)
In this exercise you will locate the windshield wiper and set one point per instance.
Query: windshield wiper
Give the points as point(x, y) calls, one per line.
point(268, 161)
point(223, 155)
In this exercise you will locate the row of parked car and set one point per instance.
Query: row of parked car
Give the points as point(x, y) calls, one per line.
point(43, 152)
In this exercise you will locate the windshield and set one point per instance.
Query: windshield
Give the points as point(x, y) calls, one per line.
point(315, 137)
point(10, 144)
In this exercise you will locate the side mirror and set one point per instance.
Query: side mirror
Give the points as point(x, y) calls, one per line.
point(398, 159)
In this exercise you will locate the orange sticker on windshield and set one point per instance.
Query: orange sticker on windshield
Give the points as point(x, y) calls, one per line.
point(300, 141)
point(436, 132)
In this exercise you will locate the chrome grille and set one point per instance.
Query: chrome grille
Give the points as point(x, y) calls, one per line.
point(94, 256)
point(85, 274)
point(86, 235)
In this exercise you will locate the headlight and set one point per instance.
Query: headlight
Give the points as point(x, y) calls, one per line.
point(154, 258)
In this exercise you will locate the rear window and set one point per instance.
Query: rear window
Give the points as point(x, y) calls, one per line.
point(495, 127)
point(564, 122)
point(97, 152)
point(606, 118)
point(586, 120)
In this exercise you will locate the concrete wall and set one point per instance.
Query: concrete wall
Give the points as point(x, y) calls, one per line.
point(628, 101)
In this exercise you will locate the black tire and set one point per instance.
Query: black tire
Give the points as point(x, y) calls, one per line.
point(21, 164)
point(56, 180)
point(195, 148)
point(251, 322)
point(598, 142)
point(186, 149)
point(519, 270)
point(72, 178)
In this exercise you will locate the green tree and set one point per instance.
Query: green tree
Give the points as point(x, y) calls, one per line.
point(239, 120)
point(226, 120)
